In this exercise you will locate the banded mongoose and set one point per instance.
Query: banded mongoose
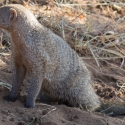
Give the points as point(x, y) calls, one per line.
point(56, 71)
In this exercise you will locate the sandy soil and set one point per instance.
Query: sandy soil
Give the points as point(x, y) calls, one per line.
point(15, 113)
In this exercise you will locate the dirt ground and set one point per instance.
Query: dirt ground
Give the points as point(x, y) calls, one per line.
point(108, 76)
point(14, 113)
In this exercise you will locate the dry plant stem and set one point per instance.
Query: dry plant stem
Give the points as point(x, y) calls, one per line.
point(103, 58)
point(63, 31)
point(1, 37)
point(5, 54)
point(111, 51)
point(94, 38)
point(6, 85)
point(79, 4)
point(120, 19)
point(65, 5)
point(32, 121)
point(8, 112)
point(76, 17)
point(53, 109)
point(94, 55)
point(122, 63)
point(121, 86)
point(106, 109)
point(116, 76)
point(116, 4)
point(114, 44)
point(27, 3)
point(115, 66)
point(121, 54)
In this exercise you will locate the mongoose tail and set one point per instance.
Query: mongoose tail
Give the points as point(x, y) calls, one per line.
point(112, 107)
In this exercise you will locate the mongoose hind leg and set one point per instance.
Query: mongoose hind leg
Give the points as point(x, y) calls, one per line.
point(44, 96)
point(81, 92)
point(76, 90)
point(18, 77)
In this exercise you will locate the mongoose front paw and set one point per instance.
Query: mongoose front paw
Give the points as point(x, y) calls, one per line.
point(29, 105)
point(9, 98)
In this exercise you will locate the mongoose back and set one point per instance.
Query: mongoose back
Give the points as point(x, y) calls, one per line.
point(54, 68)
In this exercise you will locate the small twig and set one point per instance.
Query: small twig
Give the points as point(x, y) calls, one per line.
point(94, 55)
point(6, 85)
point(32, 121)
point(121, 86)
point(53, 109)
point(103, 58)
point(107, 109)
point(63, 31)
point(122, 63)
point(116, 76)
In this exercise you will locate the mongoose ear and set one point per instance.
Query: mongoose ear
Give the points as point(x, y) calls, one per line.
point(13, 14)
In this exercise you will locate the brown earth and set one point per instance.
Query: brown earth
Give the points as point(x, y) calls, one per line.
point(14, 113)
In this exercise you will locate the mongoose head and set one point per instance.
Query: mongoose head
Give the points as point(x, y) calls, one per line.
point(7, 17)
point(14, 17)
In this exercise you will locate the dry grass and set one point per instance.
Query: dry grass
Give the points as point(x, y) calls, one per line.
point(95, 29)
